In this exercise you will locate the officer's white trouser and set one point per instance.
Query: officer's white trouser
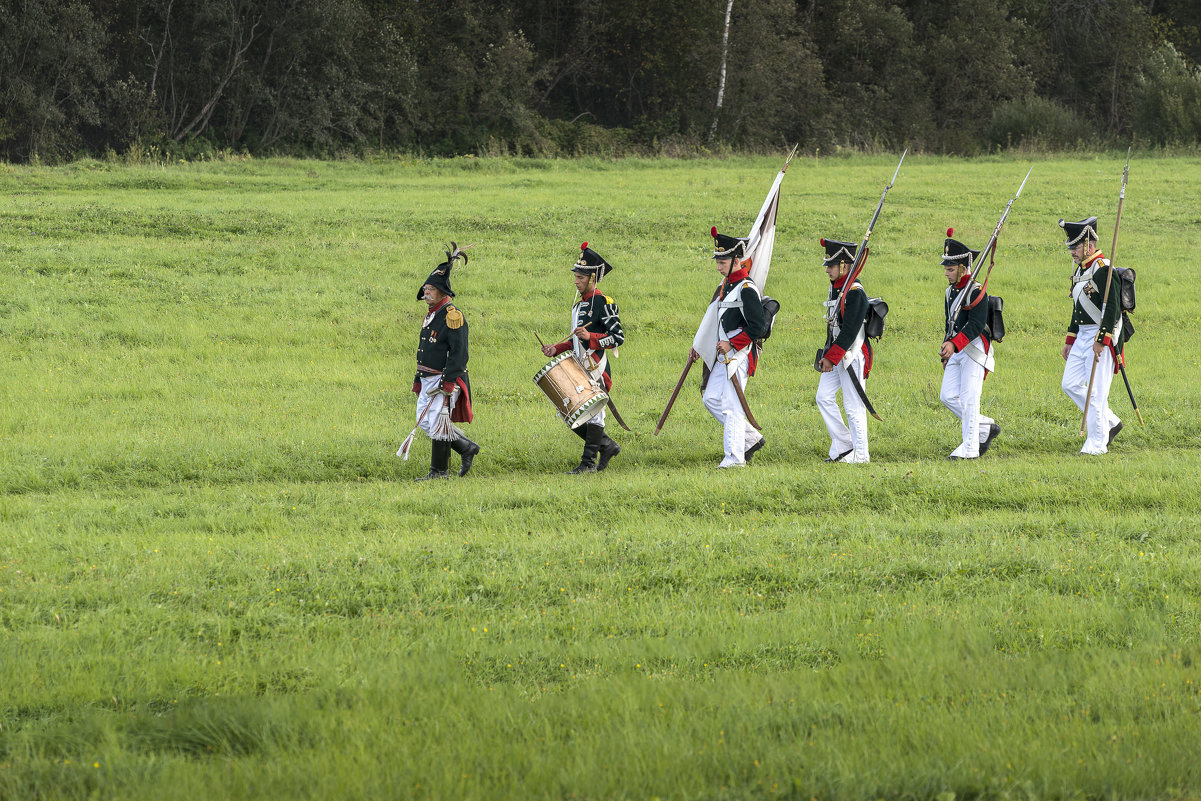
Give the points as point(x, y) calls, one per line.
point(1075, 384)
point(962, 384)
point(842, 437)
point(433, 402)
point(722, 402)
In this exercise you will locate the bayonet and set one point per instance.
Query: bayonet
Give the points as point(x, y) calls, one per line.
point(989, 251)
point(861, 252)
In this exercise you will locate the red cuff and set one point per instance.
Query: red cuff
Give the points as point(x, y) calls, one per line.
point(1106, 341)
point(559, 347)
point(594, 340)
point(835, 354)
point(959, 342)
point(1071, 339)
point(740, 340)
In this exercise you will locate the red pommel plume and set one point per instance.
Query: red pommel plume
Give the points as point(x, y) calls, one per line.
point(822, 241)
point(584, 246)
point(713, 232)
point(950, 232)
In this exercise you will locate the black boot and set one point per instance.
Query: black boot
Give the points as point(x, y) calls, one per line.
point(592, 441)
point(467, 450)
point(439, 461)
point(608, 449)
point(993, 430)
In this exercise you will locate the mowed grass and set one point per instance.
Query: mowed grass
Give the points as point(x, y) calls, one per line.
point(216, 579)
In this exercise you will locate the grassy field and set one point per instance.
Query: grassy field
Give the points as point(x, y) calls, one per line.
point(216, 579)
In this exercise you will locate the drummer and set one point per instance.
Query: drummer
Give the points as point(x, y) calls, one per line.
point(596, 330)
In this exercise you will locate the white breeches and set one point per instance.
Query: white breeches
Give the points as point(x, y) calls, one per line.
point(962, 384)
point(434, 402)
point(1075, 384)
point(722, 402)
point(844, 437)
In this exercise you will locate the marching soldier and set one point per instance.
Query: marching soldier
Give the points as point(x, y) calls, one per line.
point(967, 352)
point(1089, 336)
point(846, 360)
point(741, 322)
point(596, 329)
point(442, 387)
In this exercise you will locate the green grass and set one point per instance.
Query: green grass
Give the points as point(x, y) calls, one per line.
point(216, 579)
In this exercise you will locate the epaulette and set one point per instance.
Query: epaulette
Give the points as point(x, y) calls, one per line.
point(608, 300)
point(454, 317)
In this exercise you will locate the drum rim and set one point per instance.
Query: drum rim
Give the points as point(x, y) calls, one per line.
point(601, 397)
point(546, 368)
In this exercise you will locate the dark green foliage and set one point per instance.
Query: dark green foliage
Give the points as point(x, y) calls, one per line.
point(1169, 99)
point(1036, 122)
point(189, 78)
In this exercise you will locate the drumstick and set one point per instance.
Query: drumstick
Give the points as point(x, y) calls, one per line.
point(540, 342)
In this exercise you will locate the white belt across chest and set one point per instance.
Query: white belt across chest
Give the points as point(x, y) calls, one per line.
point(1093, 312)
point(830, 307)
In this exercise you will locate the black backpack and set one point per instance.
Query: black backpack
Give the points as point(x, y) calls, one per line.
point(771, 307)
point(873, 324)
point(1126, 278)
point(996, 322)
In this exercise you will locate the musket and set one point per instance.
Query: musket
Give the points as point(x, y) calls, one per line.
point(675, 393)
point(853, 275)
point(861, 252)
point(1105, 300)
point(990, 250)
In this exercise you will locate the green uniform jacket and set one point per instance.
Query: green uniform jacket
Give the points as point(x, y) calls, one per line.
point(1093, 290)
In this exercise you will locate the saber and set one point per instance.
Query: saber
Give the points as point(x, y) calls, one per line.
point(1088, 395)
point(862, 393)
point(1129, 391)
point(750, 418)
point(403, 452)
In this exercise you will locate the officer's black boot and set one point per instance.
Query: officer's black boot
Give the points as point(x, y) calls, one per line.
point(467, 450)
point(439, 461)
point(608, 449)
point(593, 435)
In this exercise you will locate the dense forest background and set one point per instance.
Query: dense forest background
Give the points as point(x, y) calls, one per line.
point(570, 77)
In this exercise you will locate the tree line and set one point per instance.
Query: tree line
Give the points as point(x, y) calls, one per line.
point(573, 77)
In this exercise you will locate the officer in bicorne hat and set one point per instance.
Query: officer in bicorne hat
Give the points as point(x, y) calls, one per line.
point(847, 358)
point(741, 322)
point(967, 351)
point(441, 384)
point(595, 330)
point(1091, 337)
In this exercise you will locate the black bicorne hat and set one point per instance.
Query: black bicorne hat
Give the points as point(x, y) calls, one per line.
point(837, 252)
point(440, 278)
point(955, 252)
point(726, 246)
point(1077, 231)
point(591, 263)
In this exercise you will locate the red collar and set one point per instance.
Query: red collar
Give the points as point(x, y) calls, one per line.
point(439, 307)
point(838, 282)
point(963, 282)
point(1089, 261)
point(740, 274)
point(590, 295)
